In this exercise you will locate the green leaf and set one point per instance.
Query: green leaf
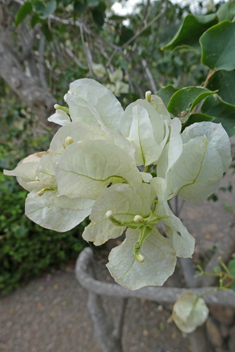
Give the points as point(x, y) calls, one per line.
point(224, 82)
point(186, 98)
point(221, 111)
point(231, 264)
point(226, 11)
point(24, 10)
point(217, 270)
point(98, 17)
point(49, 8)
point(232, 272)
point(39, 7)
point(165, 93)
point(117, 18)
point(80, 6)
point(218, 46)
point(126, 34)
point(233, 287)
point(46, 31)
point(191, 30)
point(34, 20)
point(198, 117)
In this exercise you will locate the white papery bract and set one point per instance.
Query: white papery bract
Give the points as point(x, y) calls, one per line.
point(147, 129)
point(205, 157)
point(189, 312)
point(86, 168)
point(43, 204)
point(60, 117)
point(124, 206)
point(86, 90)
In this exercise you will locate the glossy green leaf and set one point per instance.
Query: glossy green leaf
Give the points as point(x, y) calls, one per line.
point(198, 117)
point(24, 11)
point(232, 272)
point(183, 100)
point(221, 111)
point(224, 82)
point(218, 46)
point(165, 93)
point(226, 11)
point(191, 30)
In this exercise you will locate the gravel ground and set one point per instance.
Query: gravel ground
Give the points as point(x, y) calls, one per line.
point(50, 314)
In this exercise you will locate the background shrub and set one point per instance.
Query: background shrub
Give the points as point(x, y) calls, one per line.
point(26, 249)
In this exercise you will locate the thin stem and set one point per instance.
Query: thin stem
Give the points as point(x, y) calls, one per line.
point(210, 74)
point(224, 266)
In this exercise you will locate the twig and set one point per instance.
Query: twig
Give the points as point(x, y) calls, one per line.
point(149, 74)
point(41, 62)
point(138, 33)
point(72, 56)
point(87, 51)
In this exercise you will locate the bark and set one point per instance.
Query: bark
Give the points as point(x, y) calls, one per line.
point(27, 88)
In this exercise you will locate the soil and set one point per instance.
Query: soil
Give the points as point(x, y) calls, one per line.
point(50, 314)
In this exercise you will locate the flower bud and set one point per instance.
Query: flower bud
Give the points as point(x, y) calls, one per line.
point(139, 257)
point(109, 215)
point(148, 96)
point(40, 193)
point(69, 140)
point(139, 219)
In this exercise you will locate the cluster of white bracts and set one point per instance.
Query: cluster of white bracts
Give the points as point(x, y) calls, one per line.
point(91, 169)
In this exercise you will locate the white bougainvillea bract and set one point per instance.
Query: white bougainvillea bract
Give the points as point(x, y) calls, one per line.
point(121, 168)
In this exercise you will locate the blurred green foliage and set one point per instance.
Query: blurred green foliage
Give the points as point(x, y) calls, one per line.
point(26, 249)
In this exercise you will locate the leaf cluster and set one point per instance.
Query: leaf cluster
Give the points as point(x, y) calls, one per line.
point(212, 37)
